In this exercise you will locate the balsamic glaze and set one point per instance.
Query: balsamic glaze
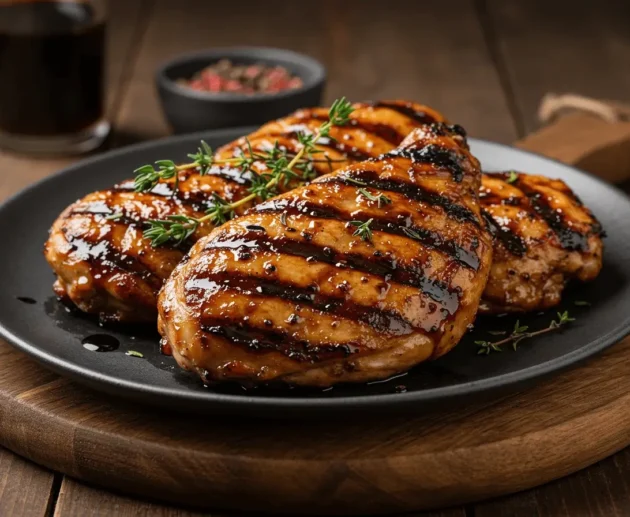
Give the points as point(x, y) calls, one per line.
point(408, 110)
point(512, 242)
point(102, 254)
point(101, 209)
point(436, 155)
point(569, 238)
point(383, 131)
point(381, 320)
point(331, 143)
point(27, 299)
point(377, 265)
point(259, 340)
point(196, 199)
point(412, 191)
point(100, 343)
point(381, 223)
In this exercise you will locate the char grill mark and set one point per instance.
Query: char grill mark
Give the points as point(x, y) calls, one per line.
point(383, 321)
point(93, 213)
point(376, 265)
point(380, 223)
point(289, 145)
point(408, 110)
point(432, 154)
point(225, 172)
point(263, 340)
point(371, 179)
point(568, 238)
point(383, 131)
point(103, 257)
point(103, 209)
point(510, 240)
point(444, 129)
point(330, 143)
point(231, 174)
point(197, 200)
point(493, 198)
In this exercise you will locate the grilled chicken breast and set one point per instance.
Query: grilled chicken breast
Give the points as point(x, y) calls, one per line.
point(103, 264)
point(298, 291)
point(544, 236)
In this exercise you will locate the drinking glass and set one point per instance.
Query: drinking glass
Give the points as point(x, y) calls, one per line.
point(51, 75)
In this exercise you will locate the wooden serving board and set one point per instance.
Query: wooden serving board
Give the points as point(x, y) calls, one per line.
point(364, 466)
point(378, 465)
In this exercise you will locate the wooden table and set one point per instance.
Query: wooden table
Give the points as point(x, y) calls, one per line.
point(485, 63)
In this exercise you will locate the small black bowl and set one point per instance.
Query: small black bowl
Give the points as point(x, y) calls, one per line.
point(191, 110)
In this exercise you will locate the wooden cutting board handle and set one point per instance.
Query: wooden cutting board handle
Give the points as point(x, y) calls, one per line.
point(591, 134)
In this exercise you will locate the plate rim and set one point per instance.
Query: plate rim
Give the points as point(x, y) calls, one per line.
point(112, 384)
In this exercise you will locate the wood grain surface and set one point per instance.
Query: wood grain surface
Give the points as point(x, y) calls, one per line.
point(561, 46)
point(29, 490)
point(359, 467)
point(486, 63)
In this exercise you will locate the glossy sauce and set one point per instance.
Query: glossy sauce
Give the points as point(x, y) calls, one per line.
point(569, 238)
point(259, 340)
point(26, 299)
point(383, 131)
point(440, 157)
point(100, 343)
point(382, 223)
point(408, 110)
point(371, 179)
point(512, 242)
point(379, 319)
point(376, 264)
point(105, 258)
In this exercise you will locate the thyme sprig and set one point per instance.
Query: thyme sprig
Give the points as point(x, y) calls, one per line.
point(363, 229)
point(521, 332)
point(380, 198)
point(512, 177)
point(280, 169)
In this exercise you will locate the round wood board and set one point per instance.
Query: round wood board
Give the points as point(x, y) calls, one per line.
point(381, 465)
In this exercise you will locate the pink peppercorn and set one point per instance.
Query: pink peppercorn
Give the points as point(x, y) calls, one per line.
point(224, 76)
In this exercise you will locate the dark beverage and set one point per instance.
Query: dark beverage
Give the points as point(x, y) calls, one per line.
point(51, 68)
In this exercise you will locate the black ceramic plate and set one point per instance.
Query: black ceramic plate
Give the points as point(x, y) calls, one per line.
point(53, 335)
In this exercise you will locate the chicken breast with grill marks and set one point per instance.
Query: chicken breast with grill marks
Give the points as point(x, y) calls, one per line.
point(327, 284)
point(544, 237)
point(103, 264)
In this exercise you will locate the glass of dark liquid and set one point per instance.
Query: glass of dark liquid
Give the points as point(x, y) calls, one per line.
point(51, 75)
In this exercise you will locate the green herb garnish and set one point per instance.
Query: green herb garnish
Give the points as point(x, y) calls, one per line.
point(280, 169)
point(512, 177)
point(381, 199)
point(521, 332)
point(363, 229)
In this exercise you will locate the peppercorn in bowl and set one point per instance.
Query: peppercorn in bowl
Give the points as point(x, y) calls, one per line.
point(237, 86)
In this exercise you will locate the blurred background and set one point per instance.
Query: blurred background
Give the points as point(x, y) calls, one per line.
point(485, 63)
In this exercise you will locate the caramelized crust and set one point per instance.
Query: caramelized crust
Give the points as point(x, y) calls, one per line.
point(544, 236)
point(288, 292)
point(104, 265)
